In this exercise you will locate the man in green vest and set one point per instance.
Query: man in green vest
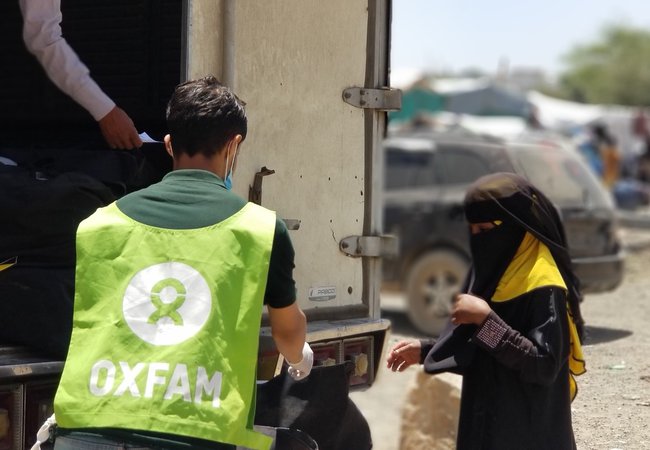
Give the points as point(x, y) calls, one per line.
point(170, 286)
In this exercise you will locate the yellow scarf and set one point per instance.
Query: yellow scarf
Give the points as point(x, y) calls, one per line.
point(532, 267)
point(8, 263)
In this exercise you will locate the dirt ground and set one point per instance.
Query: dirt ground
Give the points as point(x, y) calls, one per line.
point(612, 410)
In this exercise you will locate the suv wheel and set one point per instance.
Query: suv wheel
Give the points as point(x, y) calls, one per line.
point(431, 284)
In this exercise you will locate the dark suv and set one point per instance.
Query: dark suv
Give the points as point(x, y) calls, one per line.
point(426, 175)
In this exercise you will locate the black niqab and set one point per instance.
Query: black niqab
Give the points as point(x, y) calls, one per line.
point(492, 250)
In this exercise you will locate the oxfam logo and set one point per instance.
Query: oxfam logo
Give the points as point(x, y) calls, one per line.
point(167, 303)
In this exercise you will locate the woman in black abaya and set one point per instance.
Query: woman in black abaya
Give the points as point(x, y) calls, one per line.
point(514, 331)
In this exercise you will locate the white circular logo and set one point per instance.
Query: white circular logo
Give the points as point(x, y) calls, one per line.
point(167, 303)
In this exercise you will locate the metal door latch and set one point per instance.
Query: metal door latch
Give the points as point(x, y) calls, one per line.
point(255, 195)
point(255, 191)
point(373, 246)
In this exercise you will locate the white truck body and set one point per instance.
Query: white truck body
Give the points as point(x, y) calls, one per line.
point(290, 62)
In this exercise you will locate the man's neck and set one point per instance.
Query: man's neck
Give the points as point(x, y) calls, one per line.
point(200, 161)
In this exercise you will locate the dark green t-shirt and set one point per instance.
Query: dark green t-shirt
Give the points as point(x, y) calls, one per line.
point(186, 199)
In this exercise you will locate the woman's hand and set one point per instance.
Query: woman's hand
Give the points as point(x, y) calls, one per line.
point(404, 354)
point(468, 309)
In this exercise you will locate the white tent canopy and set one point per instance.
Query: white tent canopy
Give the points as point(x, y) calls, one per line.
point(569, 117)
point(560, 114)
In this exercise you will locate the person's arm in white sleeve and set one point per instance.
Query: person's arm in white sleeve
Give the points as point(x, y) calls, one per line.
point(44, 39)
point(288, 327)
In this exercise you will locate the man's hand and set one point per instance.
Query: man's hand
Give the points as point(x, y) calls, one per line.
point(469, 309)
point(119, 131)
point(302, 369)
point(403, 354)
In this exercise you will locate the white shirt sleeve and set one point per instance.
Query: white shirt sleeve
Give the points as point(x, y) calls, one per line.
point(43, 38)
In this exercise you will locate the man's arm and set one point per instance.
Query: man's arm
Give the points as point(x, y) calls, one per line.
point(288, 327)
point(44, 39)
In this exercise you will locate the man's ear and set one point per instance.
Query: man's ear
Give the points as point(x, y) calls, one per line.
point(235, 141)
point(232, 145)
point(168, 145)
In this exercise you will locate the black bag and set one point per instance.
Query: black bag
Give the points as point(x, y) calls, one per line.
point(122, 171)
point(37, 229)
point(43, 198)
point(318, 405)
point(453, 351)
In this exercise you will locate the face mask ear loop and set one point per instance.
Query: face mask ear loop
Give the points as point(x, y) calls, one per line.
point(232, 165)
point(225, 175)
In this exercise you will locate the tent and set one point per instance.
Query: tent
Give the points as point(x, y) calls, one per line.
point(417, 101)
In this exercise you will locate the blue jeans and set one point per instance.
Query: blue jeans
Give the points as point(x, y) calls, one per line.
point(82, 441)
point(78, 440)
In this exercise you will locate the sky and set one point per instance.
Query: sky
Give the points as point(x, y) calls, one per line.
point(452, 35)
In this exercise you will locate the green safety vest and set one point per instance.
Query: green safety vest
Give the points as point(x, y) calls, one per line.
point(166, 327)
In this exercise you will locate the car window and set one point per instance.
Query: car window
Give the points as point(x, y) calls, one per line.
point(407, 169)
point(460, 166)
point(562, 176)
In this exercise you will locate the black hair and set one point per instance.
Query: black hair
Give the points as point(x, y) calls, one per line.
point(203, 115)
point(602, 134)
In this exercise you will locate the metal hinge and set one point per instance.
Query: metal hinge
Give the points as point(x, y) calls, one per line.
point(373, 246)
point(383, 99)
